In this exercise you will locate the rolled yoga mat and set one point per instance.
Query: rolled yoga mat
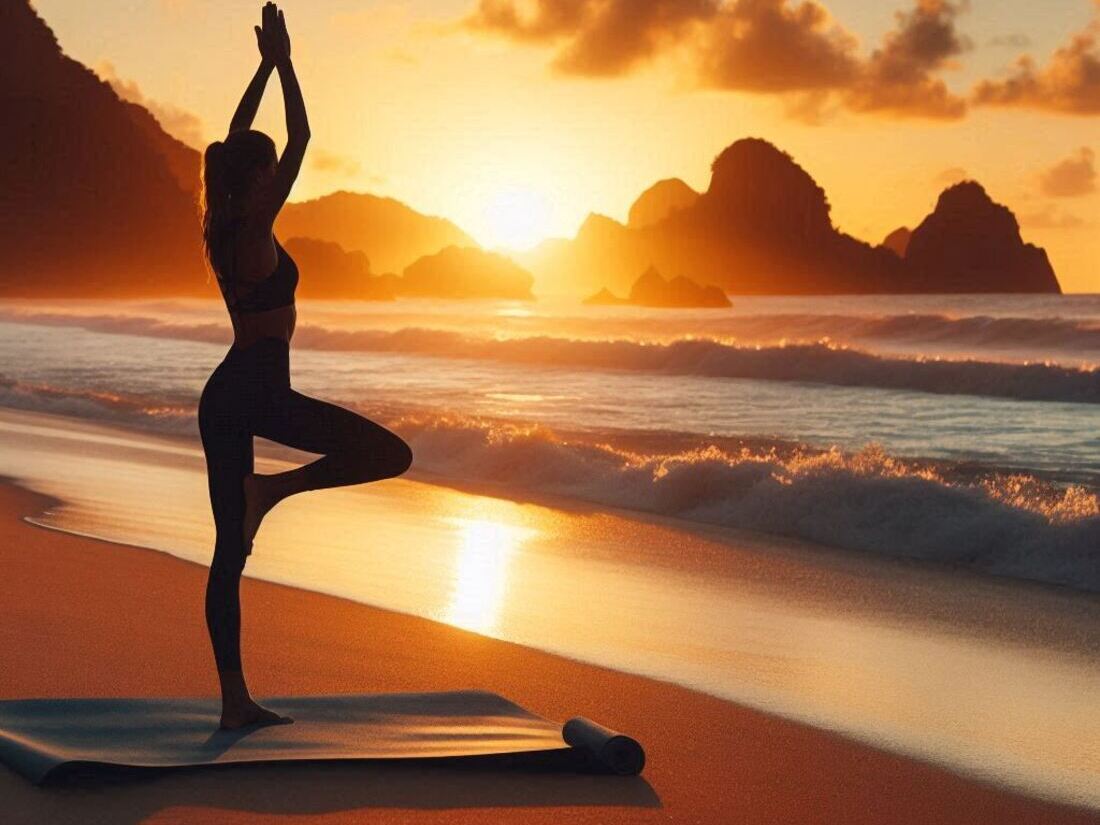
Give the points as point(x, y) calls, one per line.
point(44, 738)
point(614, 751)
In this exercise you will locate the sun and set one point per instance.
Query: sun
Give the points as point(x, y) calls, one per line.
point(516, 218)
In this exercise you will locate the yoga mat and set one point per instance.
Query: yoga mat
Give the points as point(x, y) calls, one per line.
point(44, 737)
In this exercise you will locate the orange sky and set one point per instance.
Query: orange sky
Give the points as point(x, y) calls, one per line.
point(516, 125)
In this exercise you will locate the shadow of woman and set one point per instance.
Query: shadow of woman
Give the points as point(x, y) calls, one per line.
point(125, 796)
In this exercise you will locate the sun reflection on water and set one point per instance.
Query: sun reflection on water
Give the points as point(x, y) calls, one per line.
point(481, 572)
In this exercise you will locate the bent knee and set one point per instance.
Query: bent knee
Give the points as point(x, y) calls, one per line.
point(390, 459)
point(403, 457)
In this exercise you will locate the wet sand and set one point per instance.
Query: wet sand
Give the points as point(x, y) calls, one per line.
point(84, 617)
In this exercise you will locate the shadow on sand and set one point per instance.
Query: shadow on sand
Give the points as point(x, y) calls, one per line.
point(126, 796)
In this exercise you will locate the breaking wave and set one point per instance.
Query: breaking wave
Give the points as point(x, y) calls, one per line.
point(820, 362)
point(968, 331)
point(1013, 524)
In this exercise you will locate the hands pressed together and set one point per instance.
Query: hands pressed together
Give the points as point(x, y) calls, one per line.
point(272, 37)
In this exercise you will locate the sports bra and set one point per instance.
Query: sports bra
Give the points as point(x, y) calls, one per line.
point(273, 292)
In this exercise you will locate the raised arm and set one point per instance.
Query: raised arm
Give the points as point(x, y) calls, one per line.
point(297, 124)
point(250, 101)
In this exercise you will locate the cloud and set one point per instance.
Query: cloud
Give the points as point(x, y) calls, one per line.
point(1069, 82)
point(331, 162)
point(605, 38)
point(548, 20)
point(899, 76)
point(769, 46)
point(180, 123)
point(1070, 177)
point(791, 48)
point(625, 33)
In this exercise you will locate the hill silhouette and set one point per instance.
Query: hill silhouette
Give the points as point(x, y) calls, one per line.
point(659, 201)
point(971, 244)
point(652, 290)
point(898, 241)
point(391, 233)
point(91, 185)
point(336, 273)
point(99, 200)
point(763, 226)
point(465, 272)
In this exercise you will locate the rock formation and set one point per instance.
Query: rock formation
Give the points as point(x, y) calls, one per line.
point(659, 201)
point(898, 241)
point(763, 227)
point(92, 201)
point(392, 234)
point(652, 290)
point(605, 297)
point(971, 244)
point(331, 272)
point(465, 272)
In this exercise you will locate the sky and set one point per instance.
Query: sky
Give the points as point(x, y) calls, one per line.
point(517, 118)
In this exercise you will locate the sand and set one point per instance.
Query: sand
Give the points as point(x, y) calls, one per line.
point(83, 617)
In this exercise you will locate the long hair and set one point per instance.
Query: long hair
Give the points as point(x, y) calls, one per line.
point(228, 168)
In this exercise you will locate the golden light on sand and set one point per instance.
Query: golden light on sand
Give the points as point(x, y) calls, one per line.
point(517, 218)
point(481, 572)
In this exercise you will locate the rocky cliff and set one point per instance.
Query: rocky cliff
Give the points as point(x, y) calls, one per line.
point(971, 244)
point(763, 226)
point(659, 201)
point(92, 202)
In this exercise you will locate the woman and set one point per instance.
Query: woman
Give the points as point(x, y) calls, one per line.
point(249, 392)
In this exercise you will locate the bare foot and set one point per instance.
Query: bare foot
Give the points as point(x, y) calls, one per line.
point(256, 504)
point(250, 714)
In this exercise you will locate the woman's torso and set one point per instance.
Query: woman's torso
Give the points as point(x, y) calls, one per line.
point(265, 275)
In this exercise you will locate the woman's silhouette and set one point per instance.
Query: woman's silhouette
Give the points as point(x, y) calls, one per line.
point(249, 393)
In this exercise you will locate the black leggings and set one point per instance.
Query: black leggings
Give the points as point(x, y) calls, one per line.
point(249, 394)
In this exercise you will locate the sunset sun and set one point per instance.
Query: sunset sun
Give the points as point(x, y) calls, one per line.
point(516, 218)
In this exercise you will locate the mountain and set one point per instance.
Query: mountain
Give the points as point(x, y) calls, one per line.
point(391, 233)
point(465, 272)
point(97, 199)
point(898, 241)
point(604, 251)
point(652, 290)
point(334, 272)
point(763, 226)
point(183, 161)
point(92, 198)
point(971, 244)
point(659, 201)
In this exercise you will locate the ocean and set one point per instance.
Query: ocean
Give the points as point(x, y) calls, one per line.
point(961, 429)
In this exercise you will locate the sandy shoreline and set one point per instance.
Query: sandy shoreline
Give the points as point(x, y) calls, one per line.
point(84, 617)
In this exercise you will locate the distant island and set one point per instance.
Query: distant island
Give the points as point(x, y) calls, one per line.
point(465, 272)
point(763, 226)
point(335, 272)
point(102, 202)
point(652, 290)
point(392, 234)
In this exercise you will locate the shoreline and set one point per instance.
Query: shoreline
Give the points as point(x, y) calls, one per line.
point(876, 651)
point(710, 760)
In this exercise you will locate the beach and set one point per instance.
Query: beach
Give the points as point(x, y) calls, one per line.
point(83, 617)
